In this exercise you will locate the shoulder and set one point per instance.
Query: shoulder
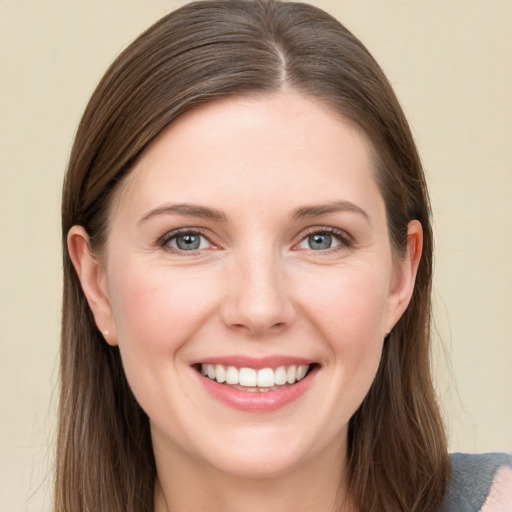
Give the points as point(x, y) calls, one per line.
point(480, 482)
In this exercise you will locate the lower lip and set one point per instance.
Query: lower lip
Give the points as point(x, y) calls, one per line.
point(257, 401)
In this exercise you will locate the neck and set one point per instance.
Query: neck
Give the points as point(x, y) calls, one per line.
point(318, 485)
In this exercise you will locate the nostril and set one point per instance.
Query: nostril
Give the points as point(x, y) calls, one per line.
point(257, 329)
point(240, 327)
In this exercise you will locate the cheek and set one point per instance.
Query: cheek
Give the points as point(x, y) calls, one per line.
point(156, 313)
point(350, 313)
point(347, 309)
point(350, 306)
point(157, 310)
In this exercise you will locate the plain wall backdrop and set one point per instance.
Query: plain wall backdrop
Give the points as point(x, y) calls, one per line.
point(451, 66)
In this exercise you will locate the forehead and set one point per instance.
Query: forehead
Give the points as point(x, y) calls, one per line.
point(278, 147)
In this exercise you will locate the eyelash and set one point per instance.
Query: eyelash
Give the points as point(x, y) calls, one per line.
point(344, 239)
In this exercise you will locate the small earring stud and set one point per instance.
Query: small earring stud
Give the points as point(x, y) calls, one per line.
point(106, 333)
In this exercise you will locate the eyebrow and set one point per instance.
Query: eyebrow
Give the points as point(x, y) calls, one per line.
point(317, 210)
point(191, 210)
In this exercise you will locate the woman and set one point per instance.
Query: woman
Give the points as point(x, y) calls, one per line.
point(247, 278)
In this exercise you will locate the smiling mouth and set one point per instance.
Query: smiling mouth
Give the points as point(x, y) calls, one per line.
point(255, 380)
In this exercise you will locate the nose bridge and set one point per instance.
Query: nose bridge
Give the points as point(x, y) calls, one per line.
point(258, 298)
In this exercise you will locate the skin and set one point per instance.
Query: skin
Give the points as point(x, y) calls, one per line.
point(255, 286)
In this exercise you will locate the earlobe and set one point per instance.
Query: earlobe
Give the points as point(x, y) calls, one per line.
point(405, 275)
point(91, 274)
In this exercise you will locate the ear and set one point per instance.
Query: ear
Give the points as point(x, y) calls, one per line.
point(93, 280)
point(404, 277)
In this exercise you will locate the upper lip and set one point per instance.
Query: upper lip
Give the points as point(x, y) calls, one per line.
point(244, 361)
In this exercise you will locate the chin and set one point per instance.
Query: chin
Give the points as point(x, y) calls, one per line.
point(254, 465)
point(260, 454)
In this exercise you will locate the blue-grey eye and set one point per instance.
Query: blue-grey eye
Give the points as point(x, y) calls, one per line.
point(188, 242)
point(319, 241)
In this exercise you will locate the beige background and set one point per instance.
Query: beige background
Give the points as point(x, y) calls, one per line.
point(451, 65)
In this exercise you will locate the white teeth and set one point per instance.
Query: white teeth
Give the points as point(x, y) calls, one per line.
point(290, 374)
point(280, 376)
point(220, 373)
point(247, 377)
point(301, 371)
point(265, 378)
point(231, 375)
point(256, 380)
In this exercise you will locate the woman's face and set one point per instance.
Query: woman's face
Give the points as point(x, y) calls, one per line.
point(250, 243)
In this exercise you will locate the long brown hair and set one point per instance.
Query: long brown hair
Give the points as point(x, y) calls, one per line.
point(397, 455)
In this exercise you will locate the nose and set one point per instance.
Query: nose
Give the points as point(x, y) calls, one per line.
point(257, 296)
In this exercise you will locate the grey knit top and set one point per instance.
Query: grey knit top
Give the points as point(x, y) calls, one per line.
point(471, 479)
